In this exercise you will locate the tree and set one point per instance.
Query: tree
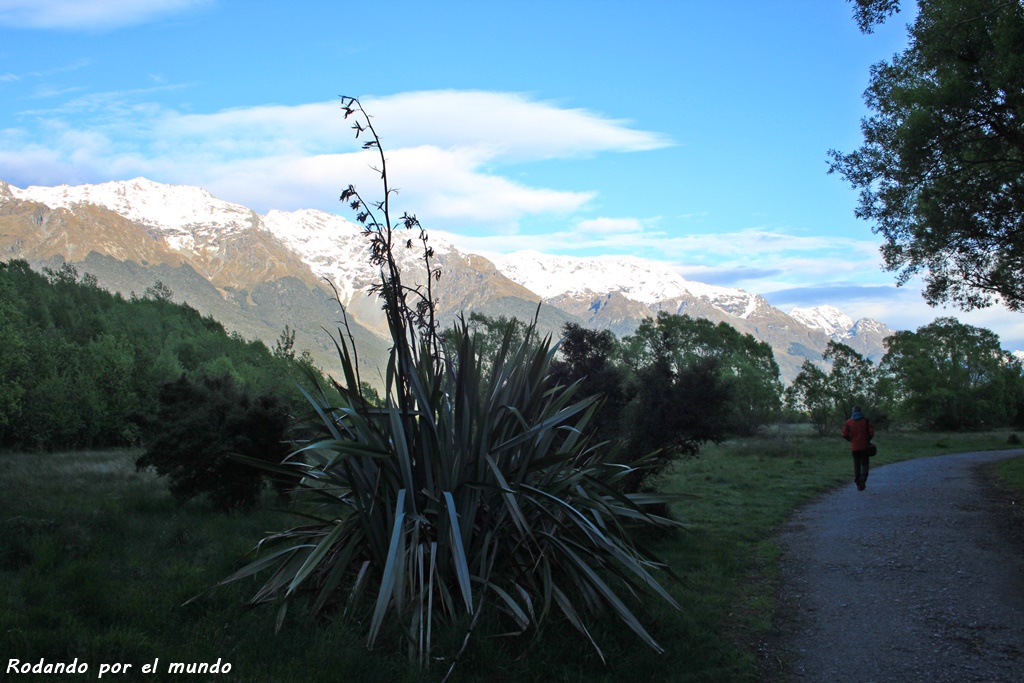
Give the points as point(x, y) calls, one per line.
point(198, 429)
point(588, 356)
point(941, 170)
point(680, 395)
point(810, 392)
point(675, 411)
point(746, 367)
point(870, 13)
point(285, 346)
point(158, 291)
point(81, 367)
point(489, 333)
point(949, 375)
point(828, 397)
point(14, 360)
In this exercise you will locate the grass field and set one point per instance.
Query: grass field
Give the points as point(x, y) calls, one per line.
point(1011, 473)
point(97, 561)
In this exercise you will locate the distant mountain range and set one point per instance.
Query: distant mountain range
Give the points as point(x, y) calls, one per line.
point(256, 273)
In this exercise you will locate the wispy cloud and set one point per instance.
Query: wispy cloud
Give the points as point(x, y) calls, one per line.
point(49, 92)
point(510, 126)
point(610, 226)
point(757, 259)
point(447, 147)
point(88, 14)
point(9, 77)
point(902, 308)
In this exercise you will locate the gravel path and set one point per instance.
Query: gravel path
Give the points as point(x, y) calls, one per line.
point(914, 579)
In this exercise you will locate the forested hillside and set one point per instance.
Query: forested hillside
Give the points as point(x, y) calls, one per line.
point(81, 367)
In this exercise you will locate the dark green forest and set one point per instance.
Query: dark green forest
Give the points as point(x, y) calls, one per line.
point(83, 368)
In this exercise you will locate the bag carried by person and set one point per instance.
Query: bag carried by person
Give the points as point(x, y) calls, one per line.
point(872, 448)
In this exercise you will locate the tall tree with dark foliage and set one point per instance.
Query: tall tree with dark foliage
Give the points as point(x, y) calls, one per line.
point(941, 170)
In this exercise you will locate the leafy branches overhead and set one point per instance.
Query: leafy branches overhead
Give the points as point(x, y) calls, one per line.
point(472, 489)
point(941, 170)
point(871, 13)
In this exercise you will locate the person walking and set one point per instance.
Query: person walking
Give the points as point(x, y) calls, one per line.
point(859, 432)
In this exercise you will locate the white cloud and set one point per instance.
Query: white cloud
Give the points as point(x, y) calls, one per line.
point(9, 77)
point(496, 126)
point(88, 14)
point(507, 125)
point(44, 166)
point(903, 308)
point(610, 226)
point(266, 130)
point(756, 259)
point(444, 151)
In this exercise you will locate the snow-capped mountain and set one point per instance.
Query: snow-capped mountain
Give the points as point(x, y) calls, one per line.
point(170, 208)
point(866, 336)
point(618, 292)
point(253, 273)
point(828, 319)
point(641, 280)
point(256, 273)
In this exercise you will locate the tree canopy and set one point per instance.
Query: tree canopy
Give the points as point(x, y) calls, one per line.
point(870, 13)
point(81, 367)
point(941, 170)
point(744, 367)
point(949, 375)
point(827, 398)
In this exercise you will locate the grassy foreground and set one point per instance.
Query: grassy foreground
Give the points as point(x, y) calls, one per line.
point(96, 562)
point(1011, 474)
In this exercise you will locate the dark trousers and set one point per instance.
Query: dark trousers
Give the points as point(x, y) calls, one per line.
point(860, 466)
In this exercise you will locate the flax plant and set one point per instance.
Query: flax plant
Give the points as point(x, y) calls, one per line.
point(474, 488)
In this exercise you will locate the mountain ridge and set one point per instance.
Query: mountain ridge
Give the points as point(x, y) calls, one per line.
point(312, 255)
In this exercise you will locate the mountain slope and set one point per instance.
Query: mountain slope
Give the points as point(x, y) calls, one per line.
point(257, 273)
point(254, 273)
point(865, 336)
point(618, 292)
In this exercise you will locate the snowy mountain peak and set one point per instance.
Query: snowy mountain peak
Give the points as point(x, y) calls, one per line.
point(828, 319)
point(638, 279)
point(337, 249)
point(168, 208)
point(238, 250)
point(869, 326)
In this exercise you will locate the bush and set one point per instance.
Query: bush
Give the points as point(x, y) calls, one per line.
point(472, 489)
point(199, 429)
point(672, 415)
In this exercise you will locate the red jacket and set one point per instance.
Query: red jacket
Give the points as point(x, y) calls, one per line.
point(859, 433)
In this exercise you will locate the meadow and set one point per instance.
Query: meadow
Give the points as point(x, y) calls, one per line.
point(99, 563)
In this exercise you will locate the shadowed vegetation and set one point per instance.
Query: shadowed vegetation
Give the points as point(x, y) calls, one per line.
point(97, 561)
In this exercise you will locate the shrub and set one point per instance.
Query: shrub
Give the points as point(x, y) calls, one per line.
point(471, 489)
point(199, 429)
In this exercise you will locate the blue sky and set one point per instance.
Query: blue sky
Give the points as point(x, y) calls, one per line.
point(690, 131)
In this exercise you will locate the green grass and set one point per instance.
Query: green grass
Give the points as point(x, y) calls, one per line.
point(97, 561)
point(1011, 474)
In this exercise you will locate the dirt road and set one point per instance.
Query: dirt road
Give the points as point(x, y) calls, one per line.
point(913, 580)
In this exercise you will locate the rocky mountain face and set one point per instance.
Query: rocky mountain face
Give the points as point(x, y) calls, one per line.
point(256, 274)
point(619, 292)
point(865, 336)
